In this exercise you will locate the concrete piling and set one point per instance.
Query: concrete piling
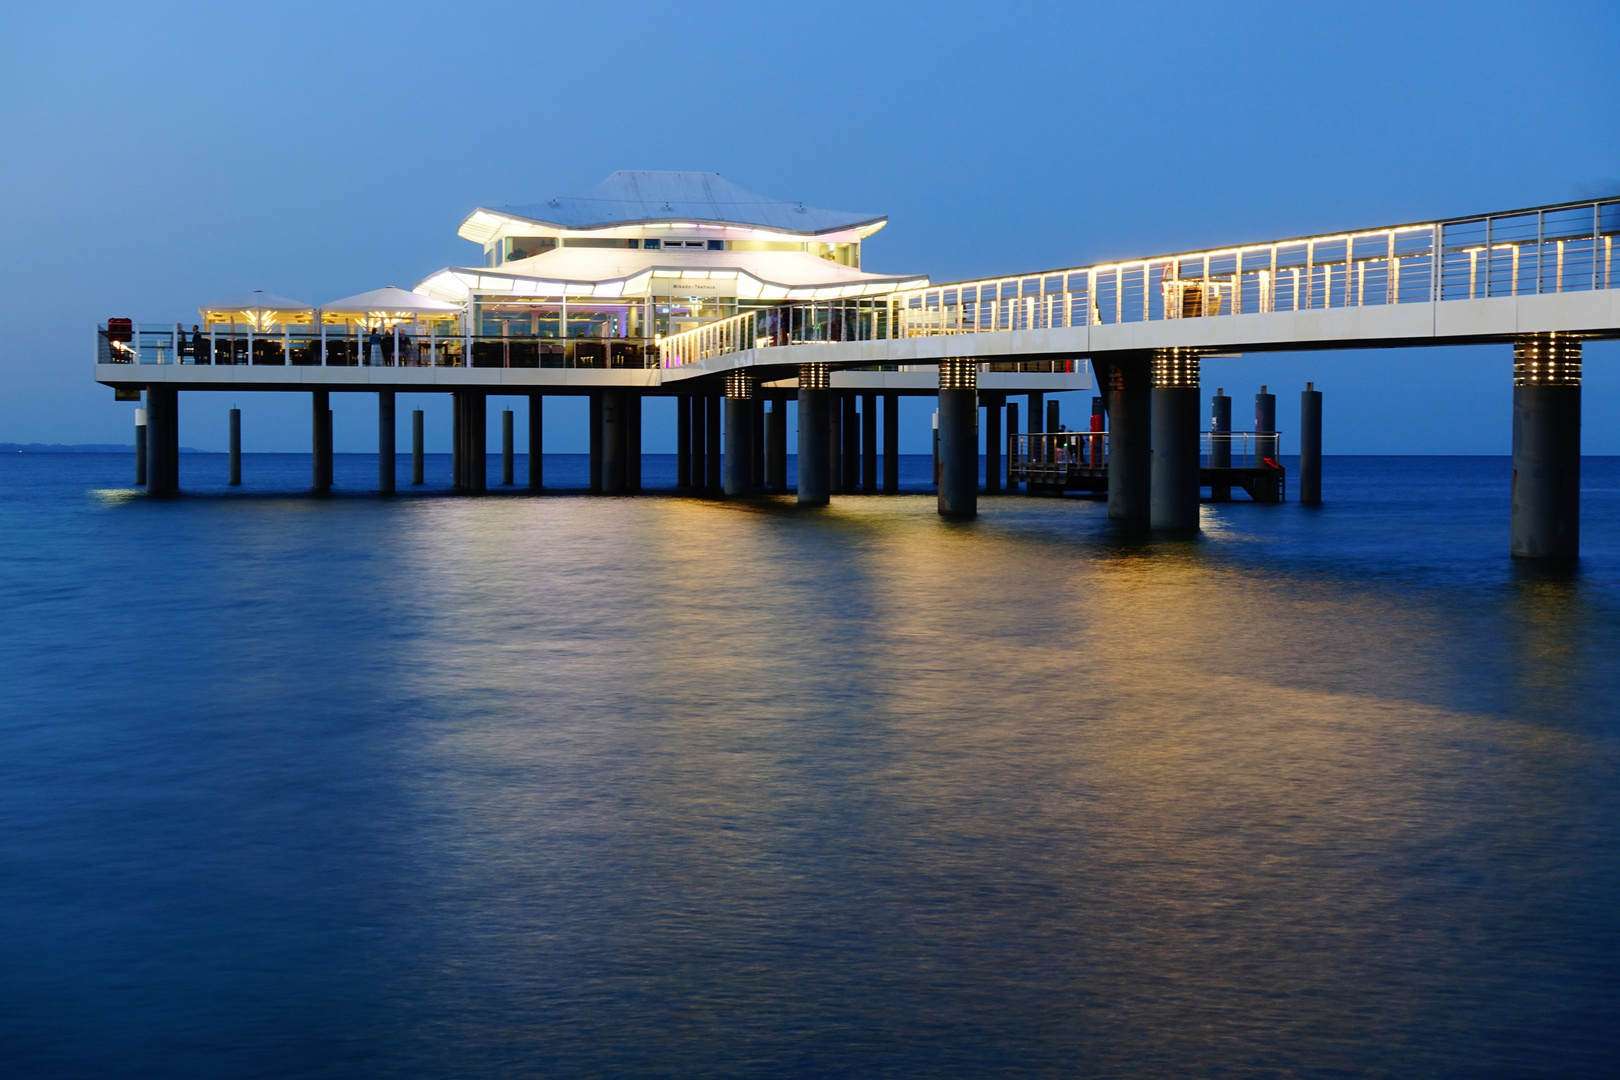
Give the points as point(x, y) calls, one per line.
point(851, 455)
point(162, 440)
point(712, 451)
point(416, 446)
point(738, 457)
point(958, 436)
point(140, 447)
point(815, 441)
point(236, 448)
point(776, 446)
point(1173, 483)
point(386, 436)
point(632, 442)
point(869, 443)
point(612, 434)
point(320, 424)
point(1546, 495)
point(507, 472)
point(683, 442)
point(1127, 382)
point(1310, 445)
point(1012, 445)
point(992, 442)
point(891, 443)
point(537, 457)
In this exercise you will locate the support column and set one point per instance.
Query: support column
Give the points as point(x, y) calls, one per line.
point(683, 442)
point(469, 409)
point(140, 446)
point(835, 442)
point(738, 458)
point(632, 441)
point(712, 451)
point(869, 444)
point(1220, 441)
point(959, 438)
point(320, 424)
point(458, 431)
point(385, 442)
point(776, 446)
point(1054, 415)
point(236, 448)
point(815, 441)
point(891, 443)
point(416, 447)
point(596, 470)
point(1012, 445)
point(992, 442)
point(1310, 445)
point(700, 441)
point(1174, 467)
point(612, 444)
point(756, 442)
point(1037, 412)
point(162, 440)
point(1128, 386)
point(851, 431)
point(1546, 517)
point(507, 449)
point(537, 456)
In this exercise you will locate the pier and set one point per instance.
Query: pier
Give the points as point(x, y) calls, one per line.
point(653, 285)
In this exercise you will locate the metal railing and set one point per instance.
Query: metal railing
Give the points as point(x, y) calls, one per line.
point(306, 345)
point(1567, 247)
point(1240, 450)
point(1057, 452)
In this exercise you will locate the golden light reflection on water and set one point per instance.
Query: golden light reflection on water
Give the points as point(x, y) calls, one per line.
point(1187, 780)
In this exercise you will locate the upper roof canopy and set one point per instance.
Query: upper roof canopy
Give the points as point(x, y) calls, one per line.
point(631, 197)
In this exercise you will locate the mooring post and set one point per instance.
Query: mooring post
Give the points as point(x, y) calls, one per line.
point(236, 448)
point(1173, 484)
point(738, 456)
point(1310, 445)
point(387, 435)
point(416, 446)
point(1220, 441)
point(958, 438)
point(140, 446)
point(891, 443)
point(537, 457)
point(1546, 507)
point(507, 449)
point(815, 442)
point(1129, 388)
point(1267, 443)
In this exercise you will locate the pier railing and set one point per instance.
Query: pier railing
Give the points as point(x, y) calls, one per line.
point(1058, 452)
point(1240, 449)
point(307, 346)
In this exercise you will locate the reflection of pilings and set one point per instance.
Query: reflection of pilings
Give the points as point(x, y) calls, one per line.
point(1220, 443)
point(236, 448)
point(163, 440)
point(320, 440)
point(537, 457)
point(1174, 471)
point(385, 441)
point(815, 441)
point(959, 438)
point(891, 443)
point(1127, 382)
point(1310, 445)
point(416, 446)
point(1546, 515)
point(739, 450)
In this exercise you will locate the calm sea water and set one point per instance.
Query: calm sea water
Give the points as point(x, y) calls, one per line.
point(572, 786)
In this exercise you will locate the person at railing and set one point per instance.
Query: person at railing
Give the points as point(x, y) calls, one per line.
point(181, 346)
point(199, 347)
point(374, 357)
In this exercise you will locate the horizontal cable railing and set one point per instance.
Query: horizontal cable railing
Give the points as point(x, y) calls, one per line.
point(1240, 450)
point(305, 345)
point(1057, 452)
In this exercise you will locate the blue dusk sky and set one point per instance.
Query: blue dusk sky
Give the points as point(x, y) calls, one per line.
point(157, 156)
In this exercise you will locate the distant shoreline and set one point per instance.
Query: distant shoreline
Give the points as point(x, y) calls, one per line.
point(78, 448)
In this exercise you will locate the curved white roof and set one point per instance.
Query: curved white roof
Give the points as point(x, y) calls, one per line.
point(635, 198)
